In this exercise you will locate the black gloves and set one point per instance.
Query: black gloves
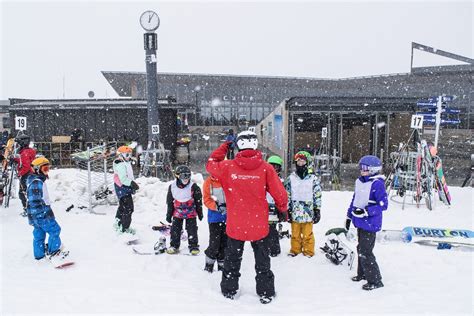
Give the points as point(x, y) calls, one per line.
point(168, 218)
point(283, 216)
point(348, 223)
point(359, 212)
point(134, 186)
point(316, 216)
point(200, 216)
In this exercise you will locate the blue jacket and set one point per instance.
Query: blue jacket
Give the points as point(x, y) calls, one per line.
point(38, 200)
point(376, 204)
point(231, 138)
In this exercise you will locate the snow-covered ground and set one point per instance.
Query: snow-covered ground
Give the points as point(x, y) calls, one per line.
point(109, 279)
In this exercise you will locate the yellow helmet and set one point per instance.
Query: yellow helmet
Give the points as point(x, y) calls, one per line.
point(40, 163)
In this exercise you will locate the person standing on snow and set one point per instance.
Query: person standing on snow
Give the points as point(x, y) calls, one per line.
point(367, 205)
point(246, 180)
point(304, 194)
point(214, 200)
point(125, 187)
point(273, 215)
point(23, 160)
point(230, 138)
point(40, 214)
point(184, 202)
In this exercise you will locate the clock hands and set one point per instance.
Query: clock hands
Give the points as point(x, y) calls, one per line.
point(150, 17)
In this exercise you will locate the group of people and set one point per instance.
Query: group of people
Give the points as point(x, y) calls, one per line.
point(245, 196)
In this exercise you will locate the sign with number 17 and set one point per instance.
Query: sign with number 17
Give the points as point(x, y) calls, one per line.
point(417, 121)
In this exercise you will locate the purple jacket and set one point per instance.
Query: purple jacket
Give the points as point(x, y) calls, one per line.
point(376, 203)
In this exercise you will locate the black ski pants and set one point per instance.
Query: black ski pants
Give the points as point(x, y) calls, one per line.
point(22, 191)
point(274, 240)
point(191, 229)
point(217, 241)
point(233, 259)
point(366, 263)
point(124, 212)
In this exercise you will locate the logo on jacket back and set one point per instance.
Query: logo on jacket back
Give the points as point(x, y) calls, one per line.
point(243, 177)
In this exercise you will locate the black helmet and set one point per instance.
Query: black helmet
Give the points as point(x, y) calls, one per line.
point(182, 172)
point(23, 140)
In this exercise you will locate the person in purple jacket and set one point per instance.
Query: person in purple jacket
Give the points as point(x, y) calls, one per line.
point(365, 212)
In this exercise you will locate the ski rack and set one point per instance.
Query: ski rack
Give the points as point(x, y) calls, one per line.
point(412, 174)
point(96, 176)
point(328, 168)
point(156, 163)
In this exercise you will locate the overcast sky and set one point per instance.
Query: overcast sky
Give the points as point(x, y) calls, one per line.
point(44, 42)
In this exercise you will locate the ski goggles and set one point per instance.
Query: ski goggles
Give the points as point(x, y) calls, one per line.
point(247, 137)
point(44, 169)
point(126, 155)
point(371, 169)
point(184, 176)
point(300, 157)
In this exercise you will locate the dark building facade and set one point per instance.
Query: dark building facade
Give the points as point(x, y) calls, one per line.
point(230, 100)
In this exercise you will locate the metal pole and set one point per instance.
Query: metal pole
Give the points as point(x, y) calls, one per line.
point(438, 119)
point(89, 179)
point(151, 45)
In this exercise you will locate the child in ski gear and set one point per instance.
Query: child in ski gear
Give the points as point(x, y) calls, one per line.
point(309, 160)
point(273, 215)
point(365, 211)
point(184, 202)
point(40, 214)
point(245, 181)
point(214, 200)
point(304, 195)
point(125, 187)
point(23, 161)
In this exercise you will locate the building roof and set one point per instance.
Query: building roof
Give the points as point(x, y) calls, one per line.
point(69, 104)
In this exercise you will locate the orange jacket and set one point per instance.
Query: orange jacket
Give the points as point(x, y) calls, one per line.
point(206, 188)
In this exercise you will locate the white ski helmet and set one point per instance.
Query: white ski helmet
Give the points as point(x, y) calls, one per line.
point(247, 140)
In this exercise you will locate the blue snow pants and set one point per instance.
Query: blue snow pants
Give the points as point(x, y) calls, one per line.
point(41, 227)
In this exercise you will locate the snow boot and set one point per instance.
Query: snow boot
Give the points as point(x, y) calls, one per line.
point(264, 299)
point(24, 213)
point(372, 286)
point(358, 278)
point(194, 251)
point(172, 251)
point(220, 265)
point(292, 254)
point(229, 295)
point(209, 267)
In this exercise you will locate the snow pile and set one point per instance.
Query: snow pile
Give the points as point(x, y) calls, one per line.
point(109, 278)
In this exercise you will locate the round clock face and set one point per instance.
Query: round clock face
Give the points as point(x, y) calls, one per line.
point(149, 20)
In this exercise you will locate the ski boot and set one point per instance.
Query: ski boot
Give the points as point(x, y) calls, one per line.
point(264, 299)
point(358, 278)
point(194, 251)
point(372, 286)
point(172, 251)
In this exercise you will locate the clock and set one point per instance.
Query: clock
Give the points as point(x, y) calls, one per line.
point(149, 20)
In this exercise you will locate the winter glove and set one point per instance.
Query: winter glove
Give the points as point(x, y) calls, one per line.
point(359, 212)
point(316, 216)
point(168, 218)
point(134, 186)
point(200, 216)
point(348, 224)
point(283, 216)
point(222, 209)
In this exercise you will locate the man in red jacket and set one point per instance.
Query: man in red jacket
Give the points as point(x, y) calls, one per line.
point(246, 180)
point(23, 161)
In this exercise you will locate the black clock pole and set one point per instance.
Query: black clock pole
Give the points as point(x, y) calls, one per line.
point(151, 45)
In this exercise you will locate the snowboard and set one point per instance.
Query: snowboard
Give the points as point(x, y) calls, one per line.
point(158, 248)
point(441, 185)
point(437, 232)
point(338, 252)
point(385, 235)
point(446, 244)
point(61, 260)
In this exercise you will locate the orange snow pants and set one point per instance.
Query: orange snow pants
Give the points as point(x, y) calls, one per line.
point(302, 238)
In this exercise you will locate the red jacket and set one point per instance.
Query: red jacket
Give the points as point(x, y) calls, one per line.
point(27, 155)
point(246, 180)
